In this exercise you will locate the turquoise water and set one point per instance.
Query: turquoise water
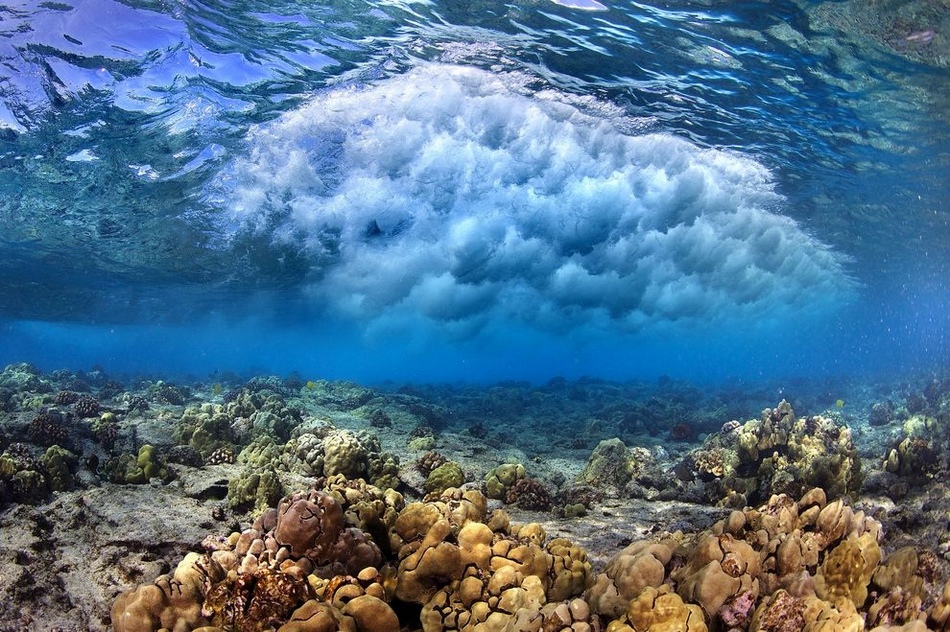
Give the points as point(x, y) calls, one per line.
point(476, 191)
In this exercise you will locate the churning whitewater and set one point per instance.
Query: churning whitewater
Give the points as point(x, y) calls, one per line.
point(463, 196)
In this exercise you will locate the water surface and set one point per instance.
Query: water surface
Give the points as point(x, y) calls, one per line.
point(480, 191)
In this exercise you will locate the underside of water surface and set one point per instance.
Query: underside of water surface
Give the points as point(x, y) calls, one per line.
point(475, 191)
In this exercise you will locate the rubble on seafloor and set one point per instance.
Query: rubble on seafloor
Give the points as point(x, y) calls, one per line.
point(283, 504)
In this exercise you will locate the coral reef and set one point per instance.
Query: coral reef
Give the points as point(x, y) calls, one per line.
point(609, 466)
point(429, 461)
point(499, 479)
point(922, 450)
point(87, 406)
point(784, 566)
point(350, 552)
point(139, 468)
point(528, 493)
point(324, 450)
point(447, 475)
point(28, 478)
point(300, 560)
point(255, 488)
point(777, 454)
point(249, 415)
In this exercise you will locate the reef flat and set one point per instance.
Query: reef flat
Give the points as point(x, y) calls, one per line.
point(293, 504)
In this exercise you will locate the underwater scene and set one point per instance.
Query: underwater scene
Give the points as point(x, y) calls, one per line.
point(455, 315)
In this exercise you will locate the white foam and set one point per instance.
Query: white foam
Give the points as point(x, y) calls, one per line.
point(582, 5)
point(452, 195)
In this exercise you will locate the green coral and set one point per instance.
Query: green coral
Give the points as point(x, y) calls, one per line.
point(383, 470)
point(59, 464)
point(445, 476)
point(137, 469)
point(22, 477)
point(8, 467)
point(499, 479)
point(422, 444)
point(255, 489)
point(344, 453)
point(206, 428)
point(609, 465)
point(262, 452)
point(918, 454)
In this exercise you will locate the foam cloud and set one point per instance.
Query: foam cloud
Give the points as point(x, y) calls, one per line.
point(459, 196)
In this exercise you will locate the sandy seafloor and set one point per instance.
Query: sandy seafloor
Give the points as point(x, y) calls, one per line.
point(77, 530)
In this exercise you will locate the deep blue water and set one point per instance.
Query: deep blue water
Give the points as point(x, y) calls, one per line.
point(429, 191)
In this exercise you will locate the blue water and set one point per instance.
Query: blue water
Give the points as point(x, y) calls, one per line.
point(432, 191)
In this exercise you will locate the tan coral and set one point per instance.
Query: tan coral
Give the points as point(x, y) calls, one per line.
point(569, 616)
point(900, 570)
point(509, 601)
point(709, 464)
point(660, 610)
point(847, 569)
point(638, 566)
point(719, 568)
point(570, 571)
point(503, 577)
point(371, 614)
point(940, 613)
point(523, 552)
point(365, 506)
point(834, 521)
point(317, 616)
point(797, 552)
point(821, 616)
point(170, 602)
point(475, 544)
point(431, 565)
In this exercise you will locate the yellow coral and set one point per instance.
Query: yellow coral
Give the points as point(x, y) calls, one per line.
point(847, 570)
point(660, 610)
point(940, 613)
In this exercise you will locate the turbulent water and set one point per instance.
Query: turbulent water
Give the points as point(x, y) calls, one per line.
point(481, 191)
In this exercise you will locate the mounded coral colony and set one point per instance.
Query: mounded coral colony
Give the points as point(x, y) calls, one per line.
point(311, 564)
point(347, 551)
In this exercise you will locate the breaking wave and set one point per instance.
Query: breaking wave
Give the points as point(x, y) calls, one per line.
point(464, 197)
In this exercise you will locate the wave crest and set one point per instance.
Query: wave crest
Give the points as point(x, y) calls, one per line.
point(454, 194)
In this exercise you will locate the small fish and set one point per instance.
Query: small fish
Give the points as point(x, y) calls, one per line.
point(921, 37)
point(311, 384)
point(839, 403)
point(217, 388)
